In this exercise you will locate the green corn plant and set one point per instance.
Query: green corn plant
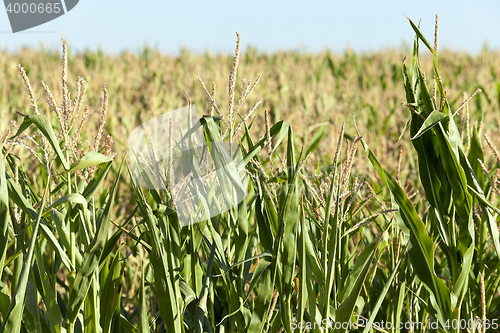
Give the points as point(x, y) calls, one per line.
point(182, 294)
point(326, 281)
point(208, 295)
point(452, 227)
point(252, 278)
point(280, 289)
point(55, 245)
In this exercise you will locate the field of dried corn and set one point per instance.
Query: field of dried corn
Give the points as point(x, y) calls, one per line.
point(313, 92)
point(330, 231)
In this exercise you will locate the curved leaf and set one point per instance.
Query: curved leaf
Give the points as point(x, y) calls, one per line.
point(92, 158)
point(43, 124)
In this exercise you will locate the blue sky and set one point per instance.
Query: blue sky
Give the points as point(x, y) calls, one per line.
point(200, 25)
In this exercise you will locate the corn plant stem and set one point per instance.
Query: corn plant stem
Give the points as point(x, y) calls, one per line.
point(211, 305)
point(194, 259)
point(339, 271)
point(453, 229)
point(95, 281)
point(325, 237)
point(482, 243)
point(94, 290)
point(343, 265)
point(72, 249)
point(393, 263)
point(453, 246)
point(330, 246)
point(19, 245)
point(92, 216)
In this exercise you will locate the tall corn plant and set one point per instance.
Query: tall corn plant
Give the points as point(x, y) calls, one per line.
point(261, 265)
point(200, 295)
point(183, 283)
point(261, 276)
point(54, 232)
point(449, 248)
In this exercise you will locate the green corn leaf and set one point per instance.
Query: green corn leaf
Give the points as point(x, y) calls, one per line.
point(92, 158)
point(109, 290)
point(61, 253)
point(12, 323)
point(31, 306)
point(475, 188)
point(421, 36)
point(382, 295)
point(423, 93)
point(230, 183)
point(127, 326)
point(408, 85)
point(432, 120)
point(58, 219)
point(143, 315)
point(4, 215)
point(18, 198)
point(91, 258)
point(48, 295)
point(461, 284)
point(422, 250)
point(302, 263)
point(259, 270)
point(266, 236)
point(91, 309)
point(362, 261)
point(263, 283)
point(97, 181)
point(167, 292)
point(200, 315)
point(476, 152)
point(454, 171)
point(449, 160)
point(313, 259)
point(329, 253)
point(278, 131)
point(289, 219)
point(250, 259)
point(344, 312)
point(43, 124)
point(114, 240)
point(403, 131)
point(453, 134)
point(187, 292)
point(313, 145)
point(74, 198)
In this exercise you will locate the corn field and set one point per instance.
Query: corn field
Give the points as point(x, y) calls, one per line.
point(328, 193)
